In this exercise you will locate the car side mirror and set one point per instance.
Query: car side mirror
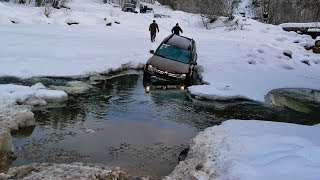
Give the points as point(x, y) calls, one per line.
point(152, 51)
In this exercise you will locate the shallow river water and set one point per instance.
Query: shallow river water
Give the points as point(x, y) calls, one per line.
point(118, 124)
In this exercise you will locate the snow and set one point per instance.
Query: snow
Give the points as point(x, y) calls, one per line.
point(244, 8)
point(240, 59)
point(11, 93)
point(13, 116)
point(302, 25)
point(314, 30)
point(252, 150)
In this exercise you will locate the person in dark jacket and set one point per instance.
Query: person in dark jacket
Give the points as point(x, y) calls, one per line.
point(153, 28)
point(176, 29)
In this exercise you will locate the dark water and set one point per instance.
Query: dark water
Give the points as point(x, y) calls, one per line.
point(118, 124)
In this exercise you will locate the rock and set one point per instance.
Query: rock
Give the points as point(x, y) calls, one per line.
point(288, 53)
point(316, 49)
point(117, 22)
point(301, 100)
point(252, 62)
point(317, 43)
point(183, 155)
point(64, 6)
point(307, 62)
point(71, 23)
point(308, 47)
point(109, 24)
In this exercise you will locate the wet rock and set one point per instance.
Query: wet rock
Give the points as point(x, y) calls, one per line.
point(301, 100)
point(183, 155)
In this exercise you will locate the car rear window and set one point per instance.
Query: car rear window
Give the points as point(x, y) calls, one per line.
point(174, 53)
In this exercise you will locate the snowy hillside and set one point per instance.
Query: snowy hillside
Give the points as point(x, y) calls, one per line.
point(243, 58)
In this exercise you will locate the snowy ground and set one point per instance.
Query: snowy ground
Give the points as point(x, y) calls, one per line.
point(239, 61)
point(253, 150)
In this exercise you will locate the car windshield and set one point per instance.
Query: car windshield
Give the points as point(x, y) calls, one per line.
point(174, 53)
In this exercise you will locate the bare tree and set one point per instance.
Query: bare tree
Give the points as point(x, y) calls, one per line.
point(280, 11)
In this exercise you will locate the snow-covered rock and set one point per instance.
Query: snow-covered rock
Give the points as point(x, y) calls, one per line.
point(73, 87)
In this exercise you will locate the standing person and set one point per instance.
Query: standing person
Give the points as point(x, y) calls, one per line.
point(153, 30)
point(176, 29)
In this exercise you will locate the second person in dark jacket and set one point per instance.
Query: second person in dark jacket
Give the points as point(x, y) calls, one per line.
point(176, 29)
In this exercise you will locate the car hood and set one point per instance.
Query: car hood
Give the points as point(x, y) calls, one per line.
point(168, 65)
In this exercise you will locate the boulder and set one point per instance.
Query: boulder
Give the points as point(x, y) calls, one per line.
point(316, 49)
point(288, 54)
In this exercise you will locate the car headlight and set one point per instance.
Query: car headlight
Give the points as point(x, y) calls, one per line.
point(150, 68)
point(183, 76)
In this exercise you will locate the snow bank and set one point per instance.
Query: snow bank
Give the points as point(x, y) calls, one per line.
point(64, 171)
point(16, 102)
point(12, 94)
point(253, 150)
point(302, 25)
point(314, 30)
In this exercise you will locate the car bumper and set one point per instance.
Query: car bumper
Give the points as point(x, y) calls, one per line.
point(156, 79)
